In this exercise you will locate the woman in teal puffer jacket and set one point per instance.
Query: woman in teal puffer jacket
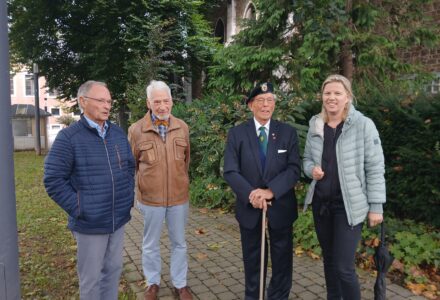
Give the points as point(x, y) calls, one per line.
point(343, 155)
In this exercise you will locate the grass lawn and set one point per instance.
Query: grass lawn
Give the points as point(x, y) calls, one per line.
point(47, 248)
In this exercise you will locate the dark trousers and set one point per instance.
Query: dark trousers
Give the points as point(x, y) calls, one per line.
point(338, 241)
point(281, 252)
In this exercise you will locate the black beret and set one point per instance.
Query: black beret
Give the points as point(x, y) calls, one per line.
point(261, 88)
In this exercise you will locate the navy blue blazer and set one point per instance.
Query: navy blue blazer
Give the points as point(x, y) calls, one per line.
point(244, 172)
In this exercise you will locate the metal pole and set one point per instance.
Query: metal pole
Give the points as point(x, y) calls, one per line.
point(9, 271)
point(37, 112)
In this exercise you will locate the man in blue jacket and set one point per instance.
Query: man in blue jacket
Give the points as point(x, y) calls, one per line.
point(89, 172)
point(262, 165)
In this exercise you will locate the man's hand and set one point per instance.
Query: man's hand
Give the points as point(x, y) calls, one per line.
point(259, 198)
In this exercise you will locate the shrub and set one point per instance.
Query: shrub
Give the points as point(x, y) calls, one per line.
point(409, 130)
point(209, 120)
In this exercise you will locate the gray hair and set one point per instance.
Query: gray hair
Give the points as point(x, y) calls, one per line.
point(157, 85)
point(85, 88)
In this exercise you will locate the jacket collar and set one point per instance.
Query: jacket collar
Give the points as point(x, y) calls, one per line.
point(317, 122)
point(147, 125)
point(86, 124)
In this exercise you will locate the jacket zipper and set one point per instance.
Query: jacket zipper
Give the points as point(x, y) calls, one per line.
point(167, 179)
point(344, 190)
point(113, 186)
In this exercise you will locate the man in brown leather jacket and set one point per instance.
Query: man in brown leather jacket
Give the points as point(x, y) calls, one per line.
point(160, 144)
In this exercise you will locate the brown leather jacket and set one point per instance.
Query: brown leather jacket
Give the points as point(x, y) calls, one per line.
point(161, 167)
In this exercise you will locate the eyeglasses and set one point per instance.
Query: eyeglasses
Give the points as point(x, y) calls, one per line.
point(102, 101)
point(260, 101)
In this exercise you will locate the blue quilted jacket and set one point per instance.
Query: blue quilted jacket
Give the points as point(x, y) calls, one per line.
point(91, 178)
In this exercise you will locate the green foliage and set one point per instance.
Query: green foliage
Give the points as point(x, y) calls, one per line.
point(211, 192)
point(416, 246)
point(125, 44)
point(299, 43)
point(209, 120)
point(409, 128)
point(417, 249)
point(66, 120)
point(304, 233)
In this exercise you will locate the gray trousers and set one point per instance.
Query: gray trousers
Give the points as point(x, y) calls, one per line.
point(99, 263)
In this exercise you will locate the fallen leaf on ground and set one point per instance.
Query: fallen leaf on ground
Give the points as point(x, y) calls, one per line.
point(200, 231)
point(416, 288)
point(203, 210)
point(299, 251)
point(201, 255)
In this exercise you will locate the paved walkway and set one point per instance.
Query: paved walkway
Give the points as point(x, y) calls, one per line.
point(215, 263)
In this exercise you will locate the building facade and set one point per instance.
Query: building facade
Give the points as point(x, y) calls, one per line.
point(23, 93)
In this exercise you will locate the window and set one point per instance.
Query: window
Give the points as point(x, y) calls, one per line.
point(435, 85)
point(55, 111)
point(219, 31)
point(29, 85)
point(22, 127)
point(12, 85)
point(250, 12)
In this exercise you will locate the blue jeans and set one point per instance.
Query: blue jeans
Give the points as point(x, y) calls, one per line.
point(99, 263)
point(176, 219)
point(338, 242)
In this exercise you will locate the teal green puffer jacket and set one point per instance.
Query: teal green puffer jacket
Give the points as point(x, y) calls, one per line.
point(360, 164)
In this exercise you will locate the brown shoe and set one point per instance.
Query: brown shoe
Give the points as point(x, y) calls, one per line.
point(151, 292)
point(183, 293)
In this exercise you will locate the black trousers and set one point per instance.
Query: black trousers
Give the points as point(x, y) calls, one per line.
point(281, 253)
point(338, 241)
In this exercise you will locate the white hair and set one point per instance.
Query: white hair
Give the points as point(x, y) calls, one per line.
point(157, 85)
point(85, 88)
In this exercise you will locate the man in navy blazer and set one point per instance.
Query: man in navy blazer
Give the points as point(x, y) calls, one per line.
point(262, 165)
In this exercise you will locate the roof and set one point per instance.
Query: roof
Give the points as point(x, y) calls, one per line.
point(26, 111)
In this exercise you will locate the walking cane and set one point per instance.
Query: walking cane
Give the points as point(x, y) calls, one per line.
point(263, 246)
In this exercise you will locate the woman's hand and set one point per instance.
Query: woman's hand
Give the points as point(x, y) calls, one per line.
point(317, 173)
point(374, 219)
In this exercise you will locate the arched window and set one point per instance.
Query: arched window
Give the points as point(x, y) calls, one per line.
point(220, 31)
point(250, 12)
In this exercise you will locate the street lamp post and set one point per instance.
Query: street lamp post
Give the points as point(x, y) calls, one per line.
point(37, 112)
point(9, 274)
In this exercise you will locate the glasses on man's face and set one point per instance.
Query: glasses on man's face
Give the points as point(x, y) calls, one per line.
point(261, 101)
point(102, 101)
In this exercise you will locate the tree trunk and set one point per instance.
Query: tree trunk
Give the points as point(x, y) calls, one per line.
point(123, 117)
point(346, 54)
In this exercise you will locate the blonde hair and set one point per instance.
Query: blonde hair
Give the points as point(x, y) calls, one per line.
point(347, 86)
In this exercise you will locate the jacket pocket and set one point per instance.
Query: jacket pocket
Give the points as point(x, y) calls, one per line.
point(148, 153)
point(180, 146)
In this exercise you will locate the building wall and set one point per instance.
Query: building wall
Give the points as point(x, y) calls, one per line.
point(48, 102)
point(429, 58)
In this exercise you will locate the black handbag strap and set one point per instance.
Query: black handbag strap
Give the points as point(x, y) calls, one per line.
point(382, 233)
